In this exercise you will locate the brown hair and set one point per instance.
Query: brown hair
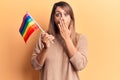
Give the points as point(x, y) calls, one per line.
point(53, 29)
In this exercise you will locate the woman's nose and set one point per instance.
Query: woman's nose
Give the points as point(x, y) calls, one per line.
point(62, 17)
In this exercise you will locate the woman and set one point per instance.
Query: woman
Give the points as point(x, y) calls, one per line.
point(61, 52)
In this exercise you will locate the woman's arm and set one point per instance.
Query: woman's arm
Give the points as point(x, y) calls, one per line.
point(70, 47)
point(38, 63)
point(78, 54)
point(42, 56)
point(40, 51)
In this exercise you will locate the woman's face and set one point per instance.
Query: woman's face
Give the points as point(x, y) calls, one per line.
point(61, 14)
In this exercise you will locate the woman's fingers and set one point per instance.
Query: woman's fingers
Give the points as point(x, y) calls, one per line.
point(63, 28)
point(46, 39)
point(59, 26)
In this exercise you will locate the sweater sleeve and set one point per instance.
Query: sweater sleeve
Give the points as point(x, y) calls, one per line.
point(38, 48)
point(79, 59)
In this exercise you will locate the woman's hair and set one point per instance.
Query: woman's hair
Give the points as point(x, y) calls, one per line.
point(53, 29)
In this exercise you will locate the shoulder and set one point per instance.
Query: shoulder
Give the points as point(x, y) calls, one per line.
point(80, 36)
point(81, 41)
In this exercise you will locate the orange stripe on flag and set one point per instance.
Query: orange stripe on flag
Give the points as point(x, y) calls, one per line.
point(30, 30)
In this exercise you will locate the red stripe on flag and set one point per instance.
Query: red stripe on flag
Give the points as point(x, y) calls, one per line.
point(31, 29)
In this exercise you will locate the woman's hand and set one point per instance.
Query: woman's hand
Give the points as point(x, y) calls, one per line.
point(64, 31)
point(46, 39)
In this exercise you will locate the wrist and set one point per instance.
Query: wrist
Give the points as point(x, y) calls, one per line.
point(68, 39)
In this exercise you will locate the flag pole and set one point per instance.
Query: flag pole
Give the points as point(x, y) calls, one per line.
point(36, 22)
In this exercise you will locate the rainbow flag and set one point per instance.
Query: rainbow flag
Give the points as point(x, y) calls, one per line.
point(28, 26)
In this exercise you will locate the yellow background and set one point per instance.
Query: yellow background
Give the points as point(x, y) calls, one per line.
point(99, 20)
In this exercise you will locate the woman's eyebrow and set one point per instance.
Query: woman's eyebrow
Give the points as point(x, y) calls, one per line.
point(57, 11)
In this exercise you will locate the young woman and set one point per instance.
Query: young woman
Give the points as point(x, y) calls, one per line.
point(60, 52)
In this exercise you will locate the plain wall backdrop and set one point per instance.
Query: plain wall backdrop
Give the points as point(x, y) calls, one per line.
point(98, 20)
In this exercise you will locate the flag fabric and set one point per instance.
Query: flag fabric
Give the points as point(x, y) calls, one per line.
point(28, 26)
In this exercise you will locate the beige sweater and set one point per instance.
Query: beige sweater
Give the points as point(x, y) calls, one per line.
point(58, 66)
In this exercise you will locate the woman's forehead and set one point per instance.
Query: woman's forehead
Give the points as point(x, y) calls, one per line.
point(59, 9)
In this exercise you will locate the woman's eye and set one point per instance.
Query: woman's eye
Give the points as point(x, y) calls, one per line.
point(58, 15)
